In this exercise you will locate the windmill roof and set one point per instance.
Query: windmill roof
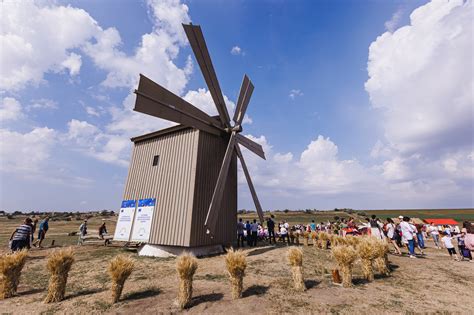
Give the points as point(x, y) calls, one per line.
point(158, 133)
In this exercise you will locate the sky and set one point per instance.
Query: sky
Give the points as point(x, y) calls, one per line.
point(357, 104)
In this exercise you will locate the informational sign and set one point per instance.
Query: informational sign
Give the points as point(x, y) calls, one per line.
point(143, 218)
point(125, 220)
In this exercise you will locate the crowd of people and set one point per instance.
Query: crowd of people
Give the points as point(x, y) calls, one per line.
point(401, 234)
point(23, 236)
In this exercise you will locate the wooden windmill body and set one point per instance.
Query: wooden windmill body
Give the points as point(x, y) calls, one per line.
point(191, 168)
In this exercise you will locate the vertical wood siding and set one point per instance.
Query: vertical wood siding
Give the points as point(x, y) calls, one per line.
point(171, 182)
point(210, 155)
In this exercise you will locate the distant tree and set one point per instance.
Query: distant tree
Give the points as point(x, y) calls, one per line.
point(308, 211)
point(335, 209)
point(17, 213)
point(286, 210)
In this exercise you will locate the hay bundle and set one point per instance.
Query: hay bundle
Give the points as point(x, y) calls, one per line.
point(120, 268)
point(352, 240)
point(323, 240)
point(345, 257)
point(236, 262)
point(186, 266)
point(305, 238)
point(367, 250)
point(314, 237)
point(381, 262)
point(292, 237)
point(295, 258)
point(10, 272)
point(59, 263)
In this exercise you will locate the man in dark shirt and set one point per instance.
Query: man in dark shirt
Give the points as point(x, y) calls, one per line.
point(22, 236)
point(271, 229)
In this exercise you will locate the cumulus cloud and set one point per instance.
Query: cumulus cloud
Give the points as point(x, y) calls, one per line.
point(10, 109)
point(294, 93)
point(42, 103)
point(33, 44)
point(391, 24)
point(25, 152)
point(421, 82)
point(236, 50)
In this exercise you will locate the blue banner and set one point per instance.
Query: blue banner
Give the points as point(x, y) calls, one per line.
point(129, 203)
point(150, 202)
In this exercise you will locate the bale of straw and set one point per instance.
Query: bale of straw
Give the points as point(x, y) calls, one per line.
point(314, 237)
point(352, 240)
point(186, 266)
point(292, 237)
point(59, 263)
point(305, 238)
point(381, 262)
point(236, 262)
point(120, 268)
point(10, 272)
point(345, 257)
point(367, 250)
point(295, 259)
point(323, 240)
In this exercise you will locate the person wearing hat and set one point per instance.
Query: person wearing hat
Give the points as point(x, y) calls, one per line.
point(82, 232)
point(21, 237)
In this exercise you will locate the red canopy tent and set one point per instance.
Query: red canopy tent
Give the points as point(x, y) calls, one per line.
point(442, 221)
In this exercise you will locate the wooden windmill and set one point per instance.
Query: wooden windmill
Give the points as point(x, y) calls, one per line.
point(191, 168)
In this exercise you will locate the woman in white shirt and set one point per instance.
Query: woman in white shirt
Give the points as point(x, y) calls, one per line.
point(434, 234)
point(392, 235)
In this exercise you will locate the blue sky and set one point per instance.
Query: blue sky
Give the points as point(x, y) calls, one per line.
point(362, 104)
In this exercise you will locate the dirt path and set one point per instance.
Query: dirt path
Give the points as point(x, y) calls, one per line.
point(430, 284)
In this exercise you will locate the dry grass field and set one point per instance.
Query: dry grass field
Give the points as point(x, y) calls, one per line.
point(432, 284)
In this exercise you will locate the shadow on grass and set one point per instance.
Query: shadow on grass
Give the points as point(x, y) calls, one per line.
point(255, 290)
point(262, 250)
point(84, 292)
point(141, 294)
point(311, 283)
point(213, 297)
point(31, 291)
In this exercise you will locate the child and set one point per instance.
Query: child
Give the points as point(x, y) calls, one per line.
point(447, 242)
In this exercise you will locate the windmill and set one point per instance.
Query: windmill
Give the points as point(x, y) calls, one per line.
point(153, 99)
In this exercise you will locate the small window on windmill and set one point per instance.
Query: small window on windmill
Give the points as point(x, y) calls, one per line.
point(156, 159)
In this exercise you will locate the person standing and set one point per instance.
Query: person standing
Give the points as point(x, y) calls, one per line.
point(284, 233)
point(447, 241)
point(21, 237)
point(254, 230)
point(312, 226)
point(374, 227)
point(419, 235)
point(392, 235)
point(433, 229)
point(271, 229)
point(248, 230)
point(82, 232)
point(240, 233)
point(407, 234)
point(43, 229)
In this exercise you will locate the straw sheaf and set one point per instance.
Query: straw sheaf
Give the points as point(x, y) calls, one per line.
point(120, 268)
point(314, 235)
point(59, 263)
point(295, 257)
point(367, 248)
point(344, 254)
point(352, 240)
point(10, 272)
point(186, 266)
point(236, 262)
point(323, 236)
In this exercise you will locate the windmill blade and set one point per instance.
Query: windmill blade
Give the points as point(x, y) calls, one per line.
point(213, 213)
point(249, 181)
point(155, 100)
point(246, 90)
point(198, 44)
point(251, 145)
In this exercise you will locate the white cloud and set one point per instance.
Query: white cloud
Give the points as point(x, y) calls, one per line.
point(421, 82)
point(421, 78)
point(10, 109)
point(294, 93)
point(236, 50)
point(42, 103)
point(92, 111)
point(25, 153)
point(391, 24)
point(29, 46)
